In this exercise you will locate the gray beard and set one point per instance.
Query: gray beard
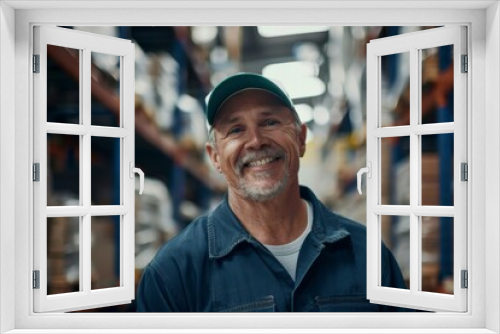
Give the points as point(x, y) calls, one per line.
point(261, 194)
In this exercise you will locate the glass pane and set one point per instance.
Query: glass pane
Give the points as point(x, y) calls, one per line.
point(395, 89)
point(395, 170)
point(63, 85)
point(105, 256)
point(437, 254)
point(105, 86)
point(437, 84)
point(63, 169)
point(437, 169)
point(395, 231)
point(105, 187)
point(63, 255)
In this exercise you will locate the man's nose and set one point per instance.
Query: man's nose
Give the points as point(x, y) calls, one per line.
point(255, 138)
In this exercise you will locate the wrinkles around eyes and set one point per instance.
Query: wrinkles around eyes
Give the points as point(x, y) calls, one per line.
point(227, 134)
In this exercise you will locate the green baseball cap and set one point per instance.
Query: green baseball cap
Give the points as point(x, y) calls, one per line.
point(236, 83)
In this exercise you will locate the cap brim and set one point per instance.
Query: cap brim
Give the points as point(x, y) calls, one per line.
point(239, 82)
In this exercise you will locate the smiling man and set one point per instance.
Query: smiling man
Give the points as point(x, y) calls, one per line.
point(271, 245)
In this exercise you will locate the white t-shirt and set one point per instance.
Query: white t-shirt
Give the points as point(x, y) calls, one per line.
point(288, 254)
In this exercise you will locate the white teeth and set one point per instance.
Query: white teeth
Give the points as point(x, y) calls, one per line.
point(261, 162)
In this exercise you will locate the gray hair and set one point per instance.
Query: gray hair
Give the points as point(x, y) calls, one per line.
point(211, 132)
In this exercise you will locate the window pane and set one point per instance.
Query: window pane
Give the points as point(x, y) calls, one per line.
point(63, 169)
point(437, 84)
point(395, 89)
point(437, 169)
point(105, 176)
point(105, 257)
point(437, 254)
point(105, 86)
point(395, 231)
point(63, 255)
point(63, 87)
point(395, 170)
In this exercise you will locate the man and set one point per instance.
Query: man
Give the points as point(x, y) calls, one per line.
point(270, 246)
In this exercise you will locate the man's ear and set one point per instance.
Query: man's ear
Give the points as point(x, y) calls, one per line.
point(302, 139)
point(214, 156)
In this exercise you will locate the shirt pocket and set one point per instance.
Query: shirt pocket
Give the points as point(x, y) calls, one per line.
point(346, 303)
point(265, 304)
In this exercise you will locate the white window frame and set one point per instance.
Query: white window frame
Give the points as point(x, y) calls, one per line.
point(85, 43)
point(412, 44)
point(483, 21)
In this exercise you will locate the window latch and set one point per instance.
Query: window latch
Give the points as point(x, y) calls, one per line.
point(133, 170)
point(368, 171)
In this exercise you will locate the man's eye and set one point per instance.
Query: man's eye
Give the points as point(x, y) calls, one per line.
point(235, 130)
point(270, 122)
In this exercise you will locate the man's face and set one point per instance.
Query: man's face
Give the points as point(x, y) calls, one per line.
point(258, 145)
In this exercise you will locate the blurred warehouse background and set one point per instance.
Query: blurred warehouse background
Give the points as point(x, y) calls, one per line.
point(324, 71)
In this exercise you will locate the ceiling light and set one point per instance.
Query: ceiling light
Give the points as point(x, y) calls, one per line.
point(305, 112)
point(203, 34)
point(187, 103)
point(291, 69)
point(299, 78)
point(321, 115)
point(302, 87)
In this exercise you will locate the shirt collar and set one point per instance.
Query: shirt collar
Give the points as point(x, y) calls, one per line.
point(225, 231)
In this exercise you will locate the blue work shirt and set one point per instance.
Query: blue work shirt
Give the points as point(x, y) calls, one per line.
point(215, 265)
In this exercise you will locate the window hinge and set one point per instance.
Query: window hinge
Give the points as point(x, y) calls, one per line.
point(465, 279)
point(36, 279)
point(36, 63)
point(464, 171)
point(465, 64)
point(36, 172)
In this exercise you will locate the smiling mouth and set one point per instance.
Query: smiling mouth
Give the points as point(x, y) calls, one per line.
point(261, 162)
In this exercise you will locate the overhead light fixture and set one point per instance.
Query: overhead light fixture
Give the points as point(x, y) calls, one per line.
point(218, 55)
point(298, 78)
point(291, 69)
point(302, 87)
point(203, 35)
point(279, 31)
point(321, 115)
point(188, 103)
point(305, 112)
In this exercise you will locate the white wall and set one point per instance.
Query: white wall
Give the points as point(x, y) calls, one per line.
point(482, 157)
point(7, 161)
point(492, 147)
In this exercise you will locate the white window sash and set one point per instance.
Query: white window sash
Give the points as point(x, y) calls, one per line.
point(412, 43)
point(86, 298)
